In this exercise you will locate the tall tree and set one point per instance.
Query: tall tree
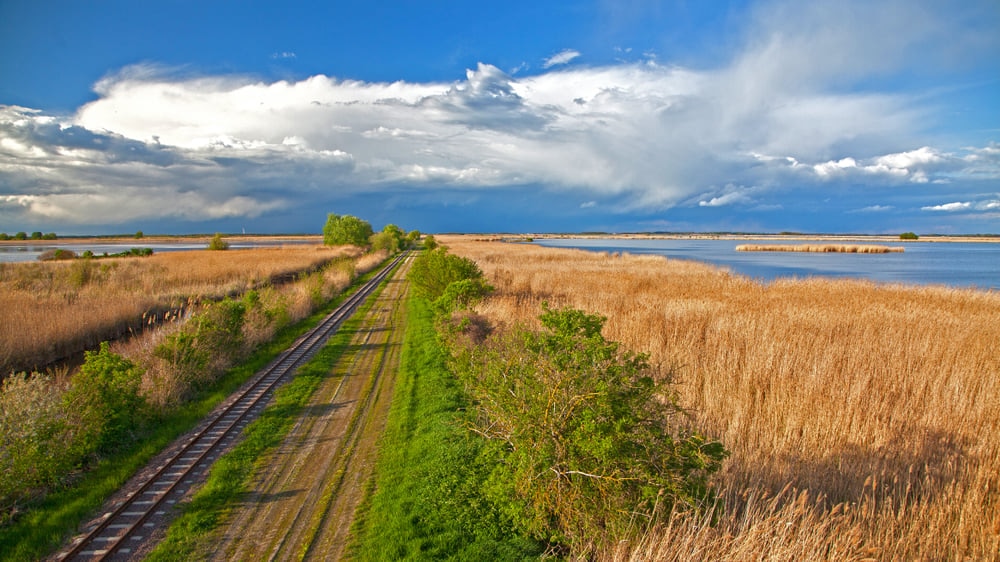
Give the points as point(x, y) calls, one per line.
point(346, 229)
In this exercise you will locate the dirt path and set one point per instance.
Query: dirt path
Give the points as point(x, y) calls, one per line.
point(303, 501)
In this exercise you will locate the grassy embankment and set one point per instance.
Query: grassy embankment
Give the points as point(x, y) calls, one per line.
point(425, 500)
point(820, 248)
point(232, 473)
point(858, 414)
point(47, 521)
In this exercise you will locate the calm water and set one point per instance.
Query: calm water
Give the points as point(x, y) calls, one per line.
point(30, 252)
point(958, 264)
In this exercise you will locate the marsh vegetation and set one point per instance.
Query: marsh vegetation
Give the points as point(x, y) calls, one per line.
point(859, 416)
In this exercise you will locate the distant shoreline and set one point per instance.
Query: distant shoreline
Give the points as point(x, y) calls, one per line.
point(772, 237)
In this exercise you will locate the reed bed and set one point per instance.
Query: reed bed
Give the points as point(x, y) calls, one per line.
point(862, 417)
point(820, 248)
point(53, 309)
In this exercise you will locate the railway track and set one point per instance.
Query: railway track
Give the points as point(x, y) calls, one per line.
point(119, 531)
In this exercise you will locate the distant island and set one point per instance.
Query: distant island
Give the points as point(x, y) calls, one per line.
point(819, 248)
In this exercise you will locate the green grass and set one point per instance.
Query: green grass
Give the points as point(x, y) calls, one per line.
point(48, 523)
point(425, 501)
point(229, 479)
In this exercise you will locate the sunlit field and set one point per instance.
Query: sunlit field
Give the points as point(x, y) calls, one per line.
point(51, 309)
point(862, 418)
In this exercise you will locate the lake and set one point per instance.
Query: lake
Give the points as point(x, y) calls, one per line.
point(956, 264)
point(29, 251)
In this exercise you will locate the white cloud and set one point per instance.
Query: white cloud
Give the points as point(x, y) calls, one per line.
point(875, 209)
point(283, 55)
point(949, 207)
point(562, 57)
point(731, 198)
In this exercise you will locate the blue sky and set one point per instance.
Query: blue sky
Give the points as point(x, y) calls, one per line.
point(759, 116)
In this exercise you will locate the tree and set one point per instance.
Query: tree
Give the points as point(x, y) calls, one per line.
point(139, 234)
point(347, 229)
point(908, 236)
point(390, 239)
point(585, 440)
point(217, 243)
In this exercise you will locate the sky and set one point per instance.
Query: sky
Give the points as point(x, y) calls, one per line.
point(179, 116)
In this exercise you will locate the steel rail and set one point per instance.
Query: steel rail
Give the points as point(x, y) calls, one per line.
point(106, 539)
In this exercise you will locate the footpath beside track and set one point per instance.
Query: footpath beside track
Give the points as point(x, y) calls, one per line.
point(126, 529)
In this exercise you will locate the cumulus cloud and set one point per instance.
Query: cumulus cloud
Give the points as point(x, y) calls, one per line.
point(956, 206)
point(988, 205)
point(560, 58)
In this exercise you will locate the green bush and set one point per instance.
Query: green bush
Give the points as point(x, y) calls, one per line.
point(434, 270)
point(217, 243)
point(346, 229)
point(21, 236)
point(37, 235)
point(585, 441)
point(39, 445)
point(908, 236)
point(105, 394)
point(206, 345)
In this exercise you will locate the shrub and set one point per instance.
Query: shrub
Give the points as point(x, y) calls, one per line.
point(49, 236)
point(38, 444)
point(139, 234)
point(583, 437)
point(37, 235)
point(105, 395)
point(217, 243)
point(908, 236)
point(434, 270)
point(57, 254)
point(206, 345)
point(21, 236)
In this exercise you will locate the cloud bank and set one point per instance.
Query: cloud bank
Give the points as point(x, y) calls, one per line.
point(773, 128)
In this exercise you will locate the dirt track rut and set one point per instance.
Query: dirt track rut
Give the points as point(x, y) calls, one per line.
point(302, 503)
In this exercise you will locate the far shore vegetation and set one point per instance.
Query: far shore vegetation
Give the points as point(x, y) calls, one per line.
point(819, 248)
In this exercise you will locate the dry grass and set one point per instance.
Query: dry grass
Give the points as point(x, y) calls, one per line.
point(819, 248)
point(53, 309)
point(862, 418)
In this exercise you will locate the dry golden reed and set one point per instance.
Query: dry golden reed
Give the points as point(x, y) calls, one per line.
point(863, 418)
point(820, 248)
point(52, 309)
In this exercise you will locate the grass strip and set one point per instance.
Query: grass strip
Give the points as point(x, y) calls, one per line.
point(229, 478)
point(425, 500)
point(51, 521)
